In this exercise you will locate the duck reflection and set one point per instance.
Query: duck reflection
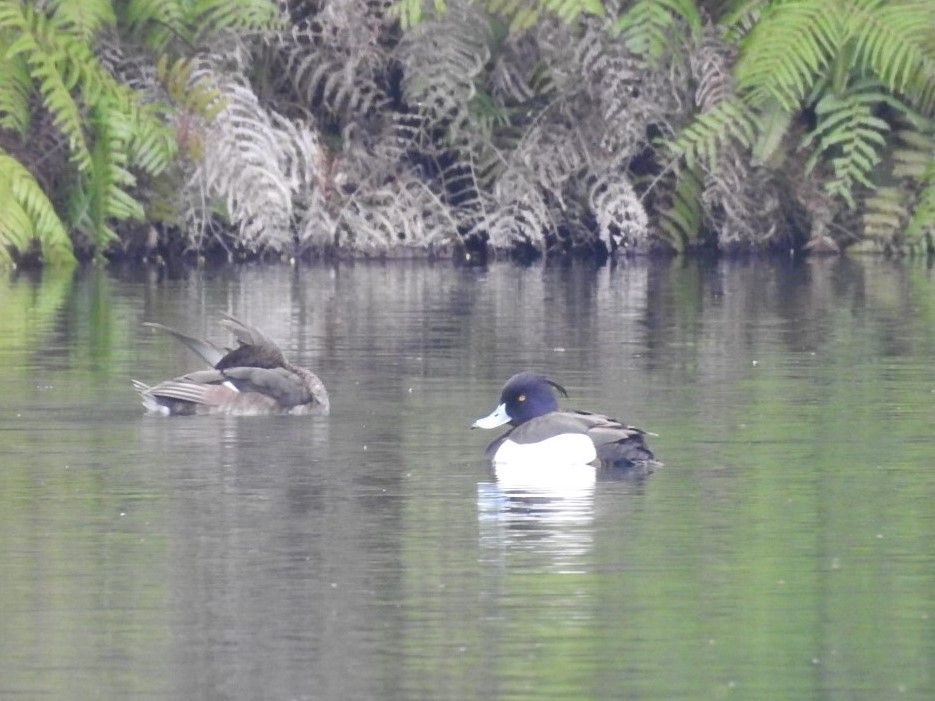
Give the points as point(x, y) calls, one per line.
point(552, 520)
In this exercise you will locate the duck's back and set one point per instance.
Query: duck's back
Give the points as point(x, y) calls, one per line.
point(615, 443)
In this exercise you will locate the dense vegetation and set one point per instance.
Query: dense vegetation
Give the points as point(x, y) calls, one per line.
point(368, 127)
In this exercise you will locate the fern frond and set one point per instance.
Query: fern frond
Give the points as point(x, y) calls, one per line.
point(411, 12)
point(621, 218)
point(26, 214)
point(255, 164)
point(788, 50)
point(156, 22)
point(650, 27)
point(15, 89)
point(83, 18)
point(741, 16)
point(241, 15)
point(914, 150)
point(517, 213)
point(680, 222)
point(905, 211)
point(711, 60)
point(704, 139)
point(332, 62)
point(851, 135)
point(443, 58)
point(56, 64)
point(894, 42)
point(886, 211)
point(921, 223)
point(522, 14)
point(104, 192)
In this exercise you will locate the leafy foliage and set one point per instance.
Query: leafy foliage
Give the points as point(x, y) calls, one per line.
point(367, 127)
point(106, 129)
point(851, 69)
point(522, 14)
point(27, 215)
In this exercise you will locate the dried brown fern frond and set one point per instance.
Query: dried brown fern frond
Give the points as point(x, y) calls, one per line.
point(334, 58)
point(621, 219)
point(442, 59)
point(255, 164)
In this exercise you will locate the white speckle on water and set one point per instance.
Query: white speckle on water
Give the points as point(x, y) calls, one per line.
point(558, 349)
point(755, 363)
point(123, 513)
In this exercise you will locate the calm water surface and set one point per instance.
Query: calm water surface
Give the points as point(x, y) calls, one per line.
point(787, 549)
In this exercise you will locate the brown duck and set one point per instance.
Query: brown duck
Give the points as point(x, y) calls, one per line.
point(253, 378)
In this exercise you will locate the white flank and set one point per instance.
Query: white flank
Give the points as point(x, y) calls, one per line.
point(556, 464)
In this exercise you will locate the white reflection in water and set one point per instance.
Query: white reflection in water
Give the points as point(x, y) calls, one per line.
point(553, 520)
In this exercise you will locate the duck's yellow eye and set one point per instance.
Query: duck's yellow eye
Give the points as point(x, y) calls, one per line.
point(521, 398)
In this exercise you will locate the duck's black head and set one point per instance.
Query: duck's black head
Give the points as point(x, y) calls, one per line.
point(525, 396)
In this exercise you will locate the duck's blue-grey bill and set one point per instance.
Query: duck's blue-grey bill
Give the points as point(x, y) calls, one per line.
point(497, 417)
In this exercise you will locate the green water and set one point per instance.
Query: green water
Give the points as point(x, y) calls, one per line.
point(786, 550)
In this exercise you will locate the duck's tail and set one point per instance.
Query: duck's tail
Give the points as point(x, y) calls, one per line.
point(148, 400)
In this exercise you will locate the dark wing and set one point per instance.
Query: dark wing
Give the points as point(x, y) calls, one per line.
point(256, 349)
point(205, 350)
point(284, 386)
point(617, 444)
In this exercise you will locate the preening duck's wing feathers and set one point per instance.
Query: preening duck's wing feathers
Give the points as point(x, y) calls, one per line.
point(205, 350)
point(282, 385)
point(245, 333)
point(215, 395)
point(256, 348)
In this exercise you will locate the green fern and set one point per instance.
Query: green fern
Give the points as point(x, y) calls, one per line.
point(788, 51)
point(82, 18)
point(15, 89)
point(103, 195)
point(920, 229)
point(156, 22)
point(56, 64)
point(650, 27)
point(895, 42)
point(27, 215)
point(795, 44)
point(681, 221)
point(852, 135)
point(241, 15)
point(702, 141)
point(160, 23)
point(906, 211)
